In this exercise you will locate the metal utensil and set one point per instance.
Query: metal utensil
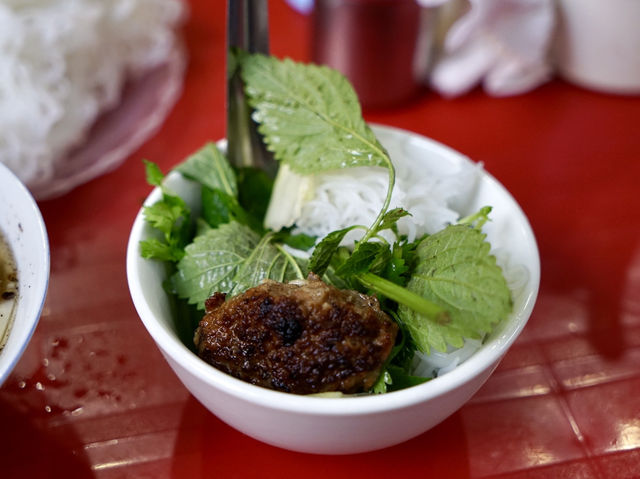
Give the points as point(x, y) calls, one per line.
point(248, 30)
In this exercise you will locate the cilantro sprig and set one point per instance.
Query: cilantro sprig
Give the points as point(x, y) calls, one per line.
point(170, 217)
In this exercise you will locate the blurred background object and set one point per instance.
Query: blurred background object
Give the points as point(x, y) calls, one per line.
point(390, 50)
point(382, 46)
point(502, 45)
point(597, 44)
point(63, 63)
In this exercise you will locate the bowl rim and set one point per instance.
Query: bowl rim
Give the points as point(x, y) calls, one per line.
point(485, 358)
point(41, 283)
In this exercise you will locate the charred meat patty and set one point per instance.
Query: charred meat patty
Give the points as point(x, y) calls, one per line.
point(303, 338)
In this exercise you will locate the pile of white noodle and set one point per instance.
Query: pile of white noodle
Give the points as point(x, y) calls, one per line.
point(433, 191)
point(62, 62)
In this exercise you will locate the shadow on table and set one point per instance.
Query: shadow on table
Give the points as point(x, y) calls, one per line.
point(29, 451)
point(206, 447)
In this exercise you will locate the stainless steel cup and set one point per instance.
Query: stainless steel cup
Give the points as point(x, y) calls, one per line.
point(382, 46)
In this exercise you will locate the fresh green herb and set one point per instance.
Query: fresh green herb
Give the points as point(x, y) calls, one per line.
point(369, 257)
point(398, 269)
point(219, 208)
point(153, 173)
point(230, 258)
point(455, 269)
point(212, 261)
point(254, 191)
point(390, 219)
point(403, 353)
point(311, 120)
point(209, 167)
point(478, 219)
point(404, 296)
point(267, 261)
point(222, 200)
point(299, 241)
point(309, 116)
point(396, 373)
point(383, 383)
point(170, 217)
point(400, 379)
point(324, 251)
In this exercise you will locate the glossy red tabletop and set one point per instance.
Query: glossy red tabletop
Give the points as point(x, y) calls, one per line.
point(93, 397)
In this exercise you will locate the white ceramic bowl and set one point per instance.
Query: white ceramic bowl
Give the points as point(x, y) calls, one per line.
point(23, 229)
point(352, 424)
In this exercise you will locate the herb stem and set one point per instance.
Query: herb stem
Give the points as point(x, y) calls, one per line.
point(479, 218)
point(373, 229)
point(291, 260)
point(403, 296)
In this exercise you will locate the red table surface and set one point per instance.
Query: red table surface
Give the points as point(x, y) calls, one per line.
point(92, 396)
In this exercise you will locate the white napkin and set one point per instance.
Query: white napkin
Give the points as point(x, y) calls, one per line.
point(303, 6)
point(502, 44)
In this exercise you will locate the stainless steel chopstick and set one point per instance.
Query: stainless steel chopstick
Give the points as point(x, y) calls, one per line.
point(247, 29)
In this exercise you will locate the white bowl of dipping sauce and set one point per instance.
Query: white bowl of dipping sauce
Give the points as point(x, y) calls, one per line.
point(24, 269)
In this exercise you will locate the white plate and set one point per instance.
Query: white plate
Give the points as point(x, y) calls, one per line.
point(144, 105)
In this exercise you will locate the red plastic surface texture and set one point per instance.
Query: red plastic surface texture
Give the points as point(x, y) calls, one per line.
point(92, 396)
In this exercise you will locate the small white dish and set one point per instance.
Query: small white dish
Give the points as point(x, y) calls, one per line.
point(22, 227)
point(351, 424)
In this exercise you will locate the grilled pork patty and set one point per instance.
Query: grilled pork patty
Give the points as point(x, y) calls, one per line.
point(302, 338)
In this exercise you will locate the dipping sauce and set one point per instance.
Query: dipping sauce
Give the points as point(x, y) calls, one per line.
point(8, 290)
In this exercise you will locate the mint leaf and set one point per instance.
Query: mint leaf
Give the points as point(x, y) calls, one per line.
point(309, 116)
point(254, 191)
point(266, 261)
point(390, 219)
point(368, 257)
point(230, 259)
point(219, 208)
point(455, 270)
point(323, 252)
point(212, 261)
point(209, 167)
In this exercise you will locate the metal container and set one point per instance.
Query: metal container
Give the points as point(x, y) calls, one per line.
point(382, 46)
